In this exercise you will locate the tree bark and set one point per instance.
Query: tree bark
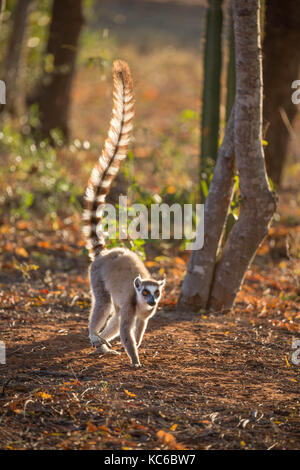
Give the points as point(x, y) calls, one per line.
point(281, 68)
point(53, 92)
point(196, 286)
point(13, 55)
point(257, 201)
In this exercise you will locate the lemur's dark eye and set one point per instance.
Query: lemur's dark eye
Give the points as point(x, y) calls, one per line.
point(156, 293)
point(145, 292)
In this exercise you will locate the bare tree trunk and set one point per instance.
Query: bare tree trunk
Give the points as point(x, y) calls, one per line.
point(211, 284)
point(13, 54)
point(197, 283)
point(53, 92)
point(2, 10)
point(281, 68)
point(2, 84)
point(230, 95)
point(257, 201)
point(211, 88)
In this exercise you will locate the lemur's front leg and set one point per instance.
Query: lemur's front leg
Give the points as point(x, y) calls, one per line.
point(127, 334)
point(140, 329)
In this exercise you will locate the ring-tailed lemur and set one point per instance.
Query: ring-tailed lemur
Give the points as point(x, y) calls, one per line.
point(120, 283)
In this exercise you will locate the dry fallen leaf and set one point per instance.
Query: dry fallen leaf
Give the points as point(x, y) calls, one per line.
point(129, 393)
point(169, 440)
point(21, 252)
point(287, 362)
point(90, 427)
point(150, 264)
point(174, 427)
point(43, 395)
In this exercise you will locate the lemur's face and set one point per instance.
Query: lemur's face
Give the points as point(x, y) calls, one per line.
point(148, 292)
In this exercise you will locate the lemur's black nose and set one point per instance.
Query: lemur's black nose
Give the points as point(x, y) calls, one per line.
point(151, 302)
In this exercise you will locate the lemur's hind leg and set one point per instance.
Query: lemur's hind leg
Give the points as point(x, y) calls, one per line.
point(102, 307)
point(111, 331)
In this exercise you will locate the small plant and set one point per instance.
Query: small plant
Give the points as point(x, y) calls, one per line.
point(36, 182)
point(25, 268)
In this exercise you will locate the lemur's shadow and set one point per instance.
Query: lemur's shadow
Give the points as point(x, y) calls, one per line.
point(52, 353)
point(58, 352)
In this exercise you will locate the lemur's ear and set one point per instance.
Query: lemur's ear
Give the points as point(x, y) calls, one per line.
point(138, 282)
point(162, 283)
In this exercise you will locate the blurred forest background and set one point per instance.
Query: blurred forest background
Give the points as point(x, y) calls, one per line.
point(166, 66)
point(53, 129)
point(56, 63)
point(56, 60)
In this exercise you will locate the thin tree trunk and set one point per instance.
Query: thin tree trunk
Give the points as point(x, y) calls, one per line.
point(2, 83)
point(197, 283)
point(281, 68)
point(53, 92)
point(257, 201)
point(13, 54)
point(2, 9)
point(230, 95)
point(211, 87)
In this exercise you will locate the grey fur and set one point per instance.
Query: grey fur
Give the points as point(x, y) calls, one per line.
point(118, 278)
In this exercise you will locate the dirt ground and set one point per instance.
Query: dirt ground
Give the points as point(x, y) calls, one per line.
point(208, 381)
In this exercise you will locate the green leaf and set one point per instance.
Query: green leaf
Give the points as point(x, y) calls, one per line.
point(204, 188)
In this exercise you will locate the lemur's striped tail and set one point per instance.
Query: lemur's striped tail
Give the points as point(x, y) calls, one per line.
point(114, 151)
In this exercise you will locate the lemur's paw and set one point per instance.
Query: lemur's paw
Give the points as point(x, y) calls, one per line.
point(136, 365)
point(97, 341)
point(103, 349)
point(114, 352)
